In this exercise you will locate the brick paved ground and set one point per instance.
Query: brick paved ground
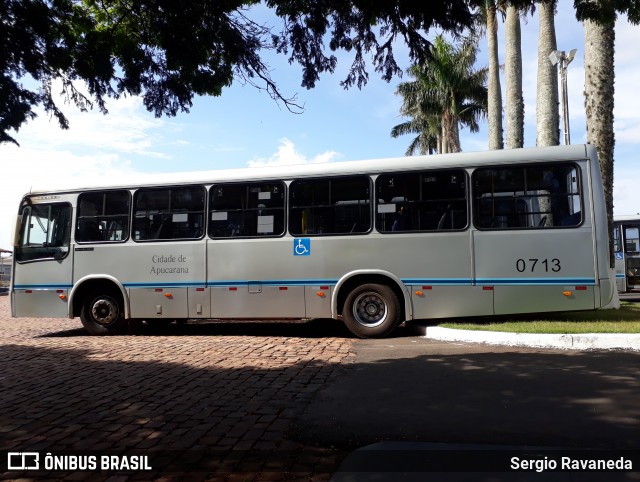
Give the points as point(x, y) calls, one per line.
point(219, 398)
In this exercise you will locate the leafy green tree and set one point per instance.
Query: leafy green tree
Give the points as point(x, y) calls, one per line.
point(167, 51)
point(446, 92)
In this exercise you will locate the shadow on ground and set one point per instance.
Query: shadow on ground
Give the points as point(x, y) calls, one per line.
point(481, 395)
point(301, 417)
point(316, 328)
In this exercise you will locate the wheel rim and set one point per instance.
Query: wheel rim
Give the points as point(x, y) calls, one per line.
point(104, 310)
point(370, 309)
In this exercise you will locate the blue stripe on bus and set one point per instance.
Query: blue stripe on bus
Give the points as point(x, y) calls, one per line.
point(333, 282)
point(42, 287)
point(535, 281)
point(438, 281)
point(177, 284)
point(287, 282)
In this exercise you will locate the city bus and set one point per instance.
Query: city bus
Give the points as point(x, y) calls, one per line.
point(626, 246)
point(373, 243)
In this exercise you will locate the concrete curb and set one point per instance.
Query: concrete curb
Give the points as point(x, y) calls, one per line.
point(587, 341)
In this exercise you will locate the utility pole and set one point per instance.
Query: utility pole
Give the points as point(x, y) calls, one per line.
point(562, 60)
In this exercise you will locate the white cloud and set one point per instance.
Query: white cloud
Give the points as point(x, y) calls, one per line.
point(96, 149)
point(287, 155)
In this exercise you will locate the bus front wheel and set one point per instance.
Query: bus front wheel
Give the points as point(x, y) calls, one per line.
point(371, 311)
point(102, 314)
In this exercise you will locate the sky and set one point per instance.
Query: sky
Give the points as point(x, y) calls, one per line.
point(244, 127)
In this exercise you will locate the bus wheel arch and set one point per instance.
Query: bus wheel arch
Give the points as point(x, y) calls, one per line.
point(371, 304)
point(101, 304)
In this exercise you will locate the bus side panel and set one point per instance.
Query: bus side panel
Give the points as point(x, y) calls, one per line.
point(43, 303)
point(597, 203)
point(532, 299)
point(157, 276)
point(257, 301)
point(532, 270)
point(451, 301)
point(38, 286)
point(440, 260)
point(149, 303)
point(255, 278)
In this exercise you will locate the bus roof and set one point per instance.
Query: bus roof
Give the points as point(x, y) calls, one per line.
point(286, 172)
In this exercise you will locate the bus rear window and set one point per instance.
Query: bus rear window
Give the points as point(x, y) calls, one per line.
point(44, 232)
point(530, 197)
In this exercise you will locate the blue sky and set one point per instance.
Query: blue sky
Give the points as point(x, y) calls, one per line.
point(245, 127)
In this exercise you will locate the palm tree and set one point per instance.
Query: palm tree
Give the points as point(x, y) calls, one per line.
point(514, 102)
point(446, 92)
point(598, 91)
point(547, 115)
point(427, 128)
point(494, 91)
point(599, 18)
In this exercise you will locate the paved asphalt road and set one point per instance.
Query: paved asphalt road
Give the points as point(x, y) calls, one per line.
point(289, 402)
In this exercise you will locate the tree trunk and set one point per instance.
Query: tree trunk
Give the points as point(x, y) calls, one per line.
point(599, 77)
point(445, 143)
point(514, 102)
point(547, 117)
point(494, 113)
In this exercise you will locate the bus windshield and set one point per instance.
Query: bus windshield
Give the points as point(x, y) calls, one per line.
point(44, 232)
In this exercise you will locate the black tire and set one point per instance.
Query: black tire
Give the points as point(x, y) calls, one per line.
point(371, 311)
point(102, 314)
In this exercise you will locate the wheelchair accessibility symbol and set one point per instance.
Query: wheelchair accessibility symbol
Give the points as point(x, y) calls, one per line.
point(302, 247)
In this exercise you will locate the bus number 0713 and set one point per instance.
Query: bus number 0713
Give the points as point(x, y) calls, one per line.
point(536, 264)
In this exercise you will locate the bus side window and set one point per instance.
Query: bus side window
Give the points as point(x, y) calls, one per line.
point(533, 197)
point(103, 216)
point(434, 200)
point(169, 213)
point(242, 210)
point(338, 205)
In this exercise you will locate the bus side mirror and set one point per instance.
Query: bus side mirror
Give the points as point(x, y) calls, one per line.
point(60, 253)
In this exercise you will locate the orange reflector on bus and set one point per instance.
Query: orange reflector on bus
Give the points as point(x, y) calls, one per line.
point(167, 295)
point(567, 293)
point(419, 293)
point(320, 294)
point(62, 297)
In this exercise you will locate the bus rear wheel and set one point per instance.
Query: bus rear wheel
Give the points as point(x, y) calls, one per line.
point(371, 311)
point(101, 314)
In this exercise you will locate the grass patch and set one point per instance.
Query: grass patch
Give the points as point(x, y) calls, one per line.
point(624, 320)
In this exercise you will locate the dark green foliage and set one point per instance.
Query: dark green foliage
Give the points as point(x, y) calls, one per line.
point(168, 51)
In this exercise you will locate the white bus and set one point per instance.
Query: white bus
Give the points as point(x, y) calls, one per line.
point(370, 242)
point(626, 245)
